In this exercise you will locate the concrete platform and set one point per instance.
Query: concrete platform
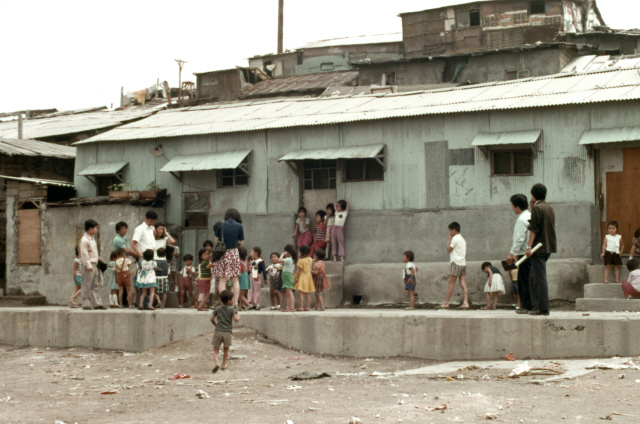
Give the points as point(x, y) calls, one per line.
point(603, 291)
point(608, 305)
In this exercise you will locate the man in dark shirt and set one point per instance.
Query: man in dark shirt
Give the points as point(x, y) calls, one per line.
point(542, 227)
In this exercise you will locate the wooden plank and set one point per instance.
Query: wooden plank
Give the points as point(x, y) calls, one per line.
point(29, 236)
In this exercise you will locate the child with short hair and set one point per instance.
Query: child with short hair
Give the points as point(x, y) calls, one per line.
point(223, 318)
point(337, 230)
point(173, 253)
point(162, 276)
point(147, 279)
point(302, 230)
point(319, 278)
point(275, 281)
point(304, 280)
point(457, 248)
point(635, 244)
point(288, 258)
point(113, 287)
point(208, 244)
point(320, 233)
point(186, 281)
point(258, 277)
point(123, 276)
point(77, 280)
point(409, 278)
point(328, 223)
point(204, 278)
point(611, 249)
point(244, 279)
point(631, 287)
point(494, 286)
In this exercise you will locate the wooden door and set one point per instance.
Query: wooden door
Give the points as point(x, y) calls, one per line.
point(623, 201)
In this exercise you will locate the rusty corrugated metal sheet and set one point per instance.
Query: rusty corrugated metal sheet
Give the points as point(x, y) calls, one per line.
point(355, 152)
point(300, 84)
point(206, 162)
point(26, 147)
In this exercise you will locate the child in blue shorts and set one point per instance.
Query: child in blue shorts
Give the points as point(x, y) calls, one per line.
point(77, 280)
point(409, 278)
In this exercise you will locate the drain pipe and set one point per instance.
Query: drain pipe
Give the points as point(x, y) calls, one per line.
point(20, 127)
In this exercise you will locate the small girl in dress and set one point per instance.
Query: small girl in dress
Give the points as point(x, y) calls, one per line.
point(303, 231)
point(258, 277)
point(244, 279)
point(409, 278)
point(288, 259)
point(319, 233)
point(77, 280)
point(495, 285)
point(204, 278)
point(337, 231)
point(319, 278)
point(275, 282)
point(328, 223)
point(147, 278)
point(304, 280)
point(113, 287)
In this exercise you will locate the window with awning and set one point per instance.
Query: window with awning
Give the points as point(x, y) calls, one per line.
point(104, 175)
point(610, 135)
point(511, 153)
point(232, 167)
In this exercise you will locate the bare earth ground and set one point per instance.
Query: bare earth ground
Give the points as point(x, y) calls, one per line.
point(46, 384)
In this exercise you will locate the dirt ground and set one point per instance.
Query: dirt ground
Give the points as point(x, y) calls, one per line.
point(49, 385)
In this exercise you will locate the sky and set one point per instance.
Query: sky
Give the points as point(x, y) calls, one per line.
point(70, 54)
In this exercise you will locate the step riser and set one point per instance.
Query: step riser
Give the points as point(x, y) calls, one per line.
point(603, 291)
point(596, 273)
point(608, 305)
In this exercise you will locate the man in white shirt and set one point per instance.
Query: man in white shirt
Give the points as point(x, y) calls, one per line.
point(144, 235)
point(520, 206)
point(457, 248)
point(90, 273)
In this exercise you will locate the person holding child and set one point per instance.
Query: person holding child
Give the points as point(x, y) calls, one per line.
point(494, 286)
point(319, 278)
point(304, 280)
point(611, 249)
point(409, 278)
point(223, 318)
point(457, 248)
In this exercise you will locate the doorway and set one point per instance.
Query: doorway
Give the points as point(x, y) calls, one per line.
point(195, 223)
point(622, 203)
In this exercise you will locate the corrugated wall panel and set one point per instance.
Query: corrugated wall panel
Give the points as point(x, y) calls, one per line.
point(85, 156)
point(282, 182)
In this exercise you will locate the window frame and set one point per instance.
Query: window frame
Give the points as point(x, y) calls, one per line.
point(184, 211)
point(241, 171)
point(329, 168)
point(327, 65)
point(520, 74)
point(479, 22)
point(537, 2)
point(512, 162)
point(389, 78)
point(364, 171)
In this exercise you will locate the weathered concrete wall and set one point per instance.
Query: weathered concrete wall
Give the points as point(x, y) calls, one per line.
point(60, 226)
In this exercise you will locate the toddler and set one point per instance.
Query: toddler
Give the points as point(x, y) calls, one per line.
point(186, 281)
point(123, 276)
point(494, 286)
point(288, 259)
point(635, 244)
point(320, 233)
point(258, 277)
point(173, 253)
point(208, 244)
point(337, 230)
point(223, 318)
point(457, 248)
point(204, 278)
point(303, 280)
point(147, 279)
point(302, 231)
point(611, 249)
point(113, 287)
point(77, 280)
point(275, 282)
point(162, 276)
point(631, 287)
point(409, 278)
point(328, 223)
point(319, 278)
point(244, 279)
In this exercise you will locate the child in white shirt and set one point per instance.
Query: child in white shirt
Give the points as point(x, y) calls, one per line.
point(611, 249)
point(457, 248)
point(409, 278)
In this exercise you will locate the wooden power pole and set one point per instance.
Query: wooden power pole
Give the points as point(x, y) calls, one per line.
point(280, 26)
point(180, 65)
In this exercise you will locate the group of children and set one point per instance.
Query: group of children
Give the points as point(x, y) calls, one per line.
point(612, 247)
point(328, 233)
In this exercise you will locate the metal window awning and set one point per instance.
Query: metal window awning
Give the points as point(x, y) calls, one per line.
point(610, 135)
point(208, 162)
point(375, 151)
point(100, 169)
point(506, 138)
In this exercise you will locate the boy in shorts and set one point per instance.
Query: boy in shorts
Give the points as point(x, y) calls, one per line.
point(162, 276)
point(223, 318)
point(457, 248)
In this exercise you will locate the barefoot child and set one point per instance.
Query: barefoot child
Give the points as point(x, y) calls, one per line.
point(258, 277)
point(457, 248)
point(223, 318)
point(328, 223)
point(147, 279)
point(123, 276)
point(113, 287)
point(162, 276)
point(320, 233)
point(204, 278)
point(409, 274)
point(244, 279)
point(319, 278)
point(77, 280)
point(631, 287)
point(186, 281)
point(288, 259)
point(304, 281)
point(611, 249)
point(337, 230)
point(275, 282)
point(494, 286)
point(302, 231)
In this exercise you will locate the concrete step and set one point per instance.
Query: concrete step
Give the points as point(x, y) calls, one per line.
point(608, 305)
point(596, 273)
point(603, 291)
point(31, 300)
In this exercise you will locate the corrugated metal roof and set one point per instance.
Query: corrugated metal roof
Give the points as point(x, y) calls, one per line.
point(395, 37)
point(208, 162)
point(355, 152)
point(38, 181)
point(514, 137)
point(597, 63)
point(610, 135)
point(26, 147)
point(110, 168)
point(554, 90)
point(300, 83)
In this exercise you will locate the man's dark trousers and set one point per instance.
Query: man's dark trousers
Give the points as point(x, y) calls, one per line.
point(538, 286)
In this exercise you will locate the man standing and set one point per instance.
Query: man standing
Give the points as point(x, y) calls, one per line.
point(520, 207)
point(90, 277)
point(144, 235)
point(543, 231)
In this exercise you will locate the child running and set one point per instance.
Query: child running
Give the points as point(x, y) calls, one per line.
point(113, 287)
point(302, 231)
point(123, 276)
point(258, 278)
point(304, 280)
point(494, 286)
point(77, 280)
point(223, 318)
point(147, 279)
point(457, 248)
point(162, 276)
point(288, 258)
point(275, 281)
point(204, 278)
point(337, 230)
point(244, 279)
point(611, 249)
point(186, 281)
point(319, 278)
point(409, 278)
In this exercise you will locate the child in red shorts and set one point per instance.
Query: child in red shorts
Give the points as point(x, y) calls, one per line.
point(186, 280)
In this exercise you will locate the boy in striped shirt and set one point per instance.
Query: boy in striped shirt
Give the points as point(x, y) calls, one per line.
point(320, 233)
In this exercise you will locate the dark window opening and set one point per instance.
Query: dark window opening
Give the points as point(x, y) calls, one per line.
point(474, 17)
point(363, 170)
point(319, 174)
point(103, 184)
point(511, 75)
point(268, 67)
point(538, 7)
point(327, 66)
point(517, 162)
point(234, 177)
point(196, 210)
point(300, 58)
point(389, 78)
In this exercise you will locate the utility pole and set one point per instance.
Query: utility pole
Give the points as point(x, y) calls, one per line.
point(280, 26)
point(180, 65)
